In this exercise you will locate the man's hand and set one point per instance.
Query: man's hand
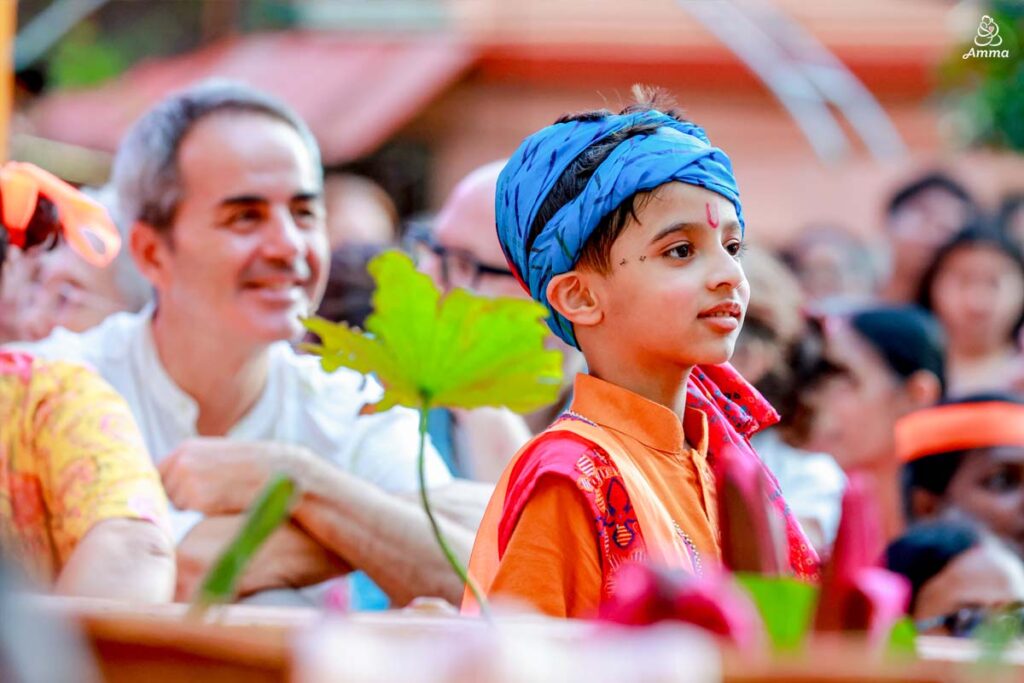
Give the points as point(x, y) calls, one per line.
point(218, 476)
point(289, 558)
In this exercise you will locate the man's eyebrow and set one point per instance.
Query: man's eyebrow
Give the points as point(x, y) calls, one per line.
point(249, 199)
point(243, 199)
point(688, 227)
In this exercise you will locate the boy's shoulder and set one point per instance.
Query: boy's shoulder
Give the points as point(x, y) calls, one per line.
point(572, 458)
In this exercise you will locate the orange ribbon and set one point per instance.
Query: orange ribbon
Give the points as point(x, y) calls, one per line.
point(959, 427)
point(84, 222)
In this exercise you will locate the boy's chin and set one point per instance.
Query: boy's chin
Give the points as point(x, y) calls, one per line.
point(712, 354)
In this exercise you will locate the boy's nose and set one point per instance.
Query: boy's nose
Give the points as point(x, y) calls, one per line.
point(725, 271)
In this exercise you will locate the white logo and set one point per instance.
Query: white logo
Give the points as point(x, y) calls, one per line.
point(987, 37)
point(988, 33)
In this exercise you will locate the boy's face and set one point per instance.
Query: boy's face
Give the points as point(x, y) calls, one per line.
point(675, 292)
point(989, 486)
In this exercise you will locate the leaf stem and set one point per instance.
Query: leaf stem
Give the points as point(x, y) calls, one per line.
point(438, 536)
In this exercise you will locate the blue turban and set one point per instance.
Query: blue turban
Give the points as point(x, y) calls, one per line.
point(675, 151)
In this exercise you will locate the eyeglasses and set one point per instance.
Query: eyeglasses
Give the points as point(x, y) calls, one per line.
point(458, 266)
point(966, 620)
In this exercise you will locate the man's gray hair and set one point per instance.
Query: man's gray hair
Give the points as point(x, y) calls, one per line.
point(146, 177)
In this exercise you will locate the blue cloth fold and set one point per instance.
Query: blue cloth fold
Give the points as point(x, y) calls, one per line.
point(674, 151)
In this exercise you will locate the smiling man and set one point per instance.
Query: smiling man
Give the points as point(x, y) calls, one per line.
point(224, 186)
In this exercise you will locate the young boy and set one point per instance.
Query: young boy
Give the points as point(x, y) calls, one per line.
point(629, 229)
point(967, 457)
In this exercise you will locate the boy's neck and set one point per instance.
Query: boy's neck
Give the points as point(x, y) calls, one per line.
point(664, 386)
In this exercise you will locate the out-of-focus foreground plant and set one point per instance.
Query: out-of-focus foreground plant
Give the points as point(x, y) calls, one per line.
point(430, 350)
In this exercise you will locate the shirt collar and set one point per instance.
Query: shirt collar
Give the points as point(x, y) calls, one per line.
point(178, 404)
point(650, 423)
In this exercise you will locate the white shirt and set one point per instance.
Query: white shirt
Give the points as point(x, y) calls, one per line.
point(812, 483)
point(300, 405)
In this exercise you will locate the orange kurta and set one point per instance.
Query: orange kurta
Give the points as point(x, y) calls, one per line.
point(629, 455)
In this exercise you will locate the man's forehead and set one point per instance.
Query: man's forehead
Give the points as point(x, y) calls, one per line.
point(241, 154)
point(466, 221)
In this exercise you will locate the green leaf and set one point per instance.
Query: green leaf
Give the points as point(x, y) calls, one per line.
point(270, 509)
point(456, 351)
point(786, 606)
point(996, 635)
point(903, 638)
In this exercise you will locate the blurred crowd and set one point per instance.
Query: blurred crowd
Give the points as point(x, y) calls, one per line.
point(898, 357)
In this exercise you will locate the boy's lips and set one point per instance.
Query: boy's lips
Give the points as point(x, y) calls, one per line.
point(726, 309)
point(723, 317)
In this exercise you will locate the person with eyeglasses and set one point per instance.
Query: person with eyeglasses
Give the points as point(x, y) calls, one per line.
point(462, 250)
point(960, 576)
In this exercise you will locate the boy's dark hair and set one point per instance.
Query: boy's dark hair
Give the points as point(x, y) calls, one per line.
point(927, 548)
point(979, 233)
point(596, 252)
point(934, 180)
point(907, 338)
point(933, 473)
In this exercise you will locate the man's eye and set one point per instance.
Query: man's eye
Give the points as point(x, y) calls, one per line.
point(246, 216)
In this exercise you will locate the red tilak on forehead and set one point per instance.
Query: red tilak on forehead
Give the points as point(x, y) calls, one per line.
point(712, 214)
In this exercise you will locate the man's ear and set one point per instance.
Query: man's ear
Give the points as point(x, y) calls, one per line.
point(151, 252)
point(923, 389)
point(572, 295)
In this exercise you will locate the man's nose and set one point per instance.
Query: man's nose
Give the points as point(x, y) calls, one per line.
point(283, 237)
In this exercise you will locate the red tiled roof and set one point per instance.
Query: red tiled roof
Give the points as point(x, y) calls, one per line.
point(353, 93)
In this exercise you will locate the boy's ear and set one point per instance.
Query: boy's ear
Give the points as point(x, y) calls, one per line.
point(151, 252)
point(571, 295)
point(924, 389)
point(924, 504)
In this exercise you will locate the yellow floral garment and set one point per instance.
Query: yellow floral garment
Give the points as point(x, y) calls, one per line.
point(70, 456)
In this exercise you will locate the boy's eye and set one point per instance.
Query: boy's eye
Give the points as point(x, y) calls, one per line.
point(680, 251)
point(736, 248)
point(1002, 480)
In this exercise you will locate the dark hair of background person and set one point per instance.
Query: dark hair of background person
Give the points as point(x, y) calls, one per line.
point(792, 393)
point(933, 473)
point(908, 339)
point(348, 297)
point(933, 180)
point(925, 549)
point(597, 250)
point(978, 234)
point(43, 228)
point(1010, 207)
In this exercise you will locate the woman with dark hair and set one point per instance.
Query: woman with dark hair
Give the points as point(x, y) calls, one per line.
point(958, 576)
point(967, 457)
point(883, 363)
point(975, 287)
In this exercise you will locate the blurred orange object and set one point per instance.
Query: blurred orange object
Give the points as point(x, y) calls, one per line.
point(84, 222)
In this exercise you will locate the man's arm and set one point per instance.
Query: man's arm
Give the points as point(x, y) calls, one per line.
point(128, 559)
point(389, 536)
point(288, 559)
point(385, 535)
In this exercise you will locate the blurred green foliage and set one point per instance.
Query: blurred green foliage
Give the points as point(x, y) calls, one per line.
point(82, 59)
point(988, 92)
